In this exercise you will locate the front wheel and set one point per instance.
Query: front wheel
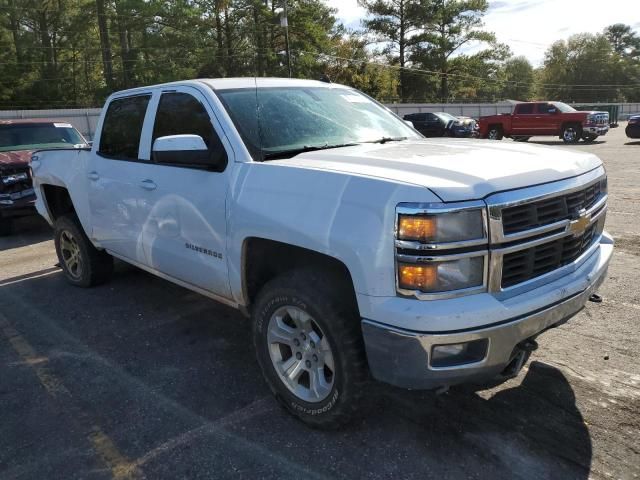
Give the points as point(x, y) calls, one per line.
point(571, 134)
point(308, 342)
point(495, 133)
point(82, 263)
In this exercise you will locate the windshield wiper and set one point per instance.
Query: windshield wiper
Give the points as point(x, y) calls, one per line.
point(292, 152)
point(386, 139)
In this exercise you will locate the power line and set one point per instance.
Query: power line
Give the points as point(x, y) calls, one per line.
point(456, 75)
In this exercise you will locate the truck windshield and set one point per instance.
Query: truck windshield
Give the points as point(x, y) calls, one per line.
point(280, 122)
point(563, 107)
point(31, 136)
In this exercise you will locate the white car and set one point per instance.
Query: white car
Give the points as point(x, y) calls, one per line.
point(355, 245)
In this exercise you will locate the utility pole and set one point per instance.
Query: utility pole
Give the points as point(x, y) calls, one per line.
point(284, 22)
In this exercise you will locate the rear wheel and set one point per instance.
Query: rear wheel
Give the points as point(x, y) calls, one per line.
point(571, 133)
point(6, 226)
point(495, 132)
point(82, 263)
point(306, 332)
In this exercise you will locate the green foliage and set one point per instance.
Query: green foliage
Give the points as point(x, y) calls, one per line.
point(518, 79)
point(590, 68)
point(65, 53)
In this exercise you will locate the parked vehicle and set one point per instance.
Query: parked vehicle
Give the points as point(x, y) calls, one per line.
point(545, 118)
point(441, 124)
point(18, 138)
point(633, 127)
point(355, 245)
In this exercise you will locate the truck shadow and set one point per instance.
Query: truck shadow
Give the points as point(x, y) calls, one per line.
point(636, 142)
point(172, 375)
point(26, 231)
point(530, 427)
point(561, 143)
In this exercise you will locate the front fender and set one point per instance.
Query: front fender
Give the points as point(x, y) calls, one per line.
point(350, 218)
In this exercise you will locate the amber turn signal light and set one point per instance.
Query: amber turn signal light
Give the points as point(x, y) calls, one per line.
point(417, 277)
point(411, 227)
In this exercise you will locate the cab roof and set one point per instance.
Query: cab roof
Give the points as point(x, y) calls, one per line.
point(233, 83)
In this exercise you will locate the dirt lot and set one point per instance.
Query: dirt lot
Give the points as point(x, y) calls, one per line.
point(140, 378)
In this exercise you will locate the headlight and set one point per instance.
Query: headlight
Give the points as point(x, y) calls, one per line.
point(442, 276)
point(441, 249)
point(457, 226)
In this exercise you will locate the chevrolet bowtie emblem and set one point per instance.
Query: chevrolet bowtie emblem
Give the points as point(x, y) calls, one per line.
point(580, 224)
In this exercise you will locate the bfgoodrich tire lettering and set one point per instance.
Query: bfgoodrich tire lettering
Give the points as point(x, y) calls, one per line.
point(323, 299)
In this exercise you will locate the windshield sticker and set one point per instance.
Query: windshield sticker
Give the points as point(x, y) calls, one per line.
point(355, 98)
point(62, 125)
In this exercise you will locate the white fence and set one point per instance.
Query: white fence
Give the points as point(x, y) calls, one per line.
point(85, 119)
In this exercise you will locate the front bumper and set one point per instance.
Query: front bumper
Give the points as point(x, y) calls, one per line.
point(403, 357)
point(18, 208)
point(599, 130)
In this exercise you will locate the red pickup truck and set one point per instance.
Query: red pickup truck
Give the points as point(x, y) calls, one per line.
point(545, 118)
point(18, 139)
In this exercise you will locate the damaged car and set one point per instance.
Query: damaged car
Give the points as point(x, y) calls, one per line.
point(18, 139)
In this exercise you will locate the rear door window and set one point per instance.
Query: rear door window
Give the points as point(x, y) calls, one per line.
point(120, 137)
point(525, 109)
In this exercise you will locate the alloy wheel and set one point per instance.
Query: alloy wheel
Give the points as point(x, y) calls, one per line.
point(301, 354)
point(570, 134)
point(71, 255)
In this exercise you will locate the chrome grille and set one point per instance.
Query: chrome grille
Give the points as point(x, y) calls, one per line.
point(551, 210)
point(15, 179)
point(540, 233)
point(529, 263)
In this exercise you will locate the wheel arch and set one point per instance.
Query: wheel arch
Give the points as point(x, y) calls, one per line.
point(264, 259)
point(57, 200)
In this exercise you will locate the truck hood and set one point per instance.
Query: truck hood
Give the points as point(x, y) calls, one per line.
point(454, 170)
point(17, 158)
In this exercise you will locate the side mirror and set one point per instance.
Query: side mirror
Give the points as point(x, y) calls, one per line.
point(187, 150)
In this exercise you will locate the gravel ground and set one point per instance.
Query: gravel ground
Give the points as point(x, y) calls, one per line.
point(142, 379)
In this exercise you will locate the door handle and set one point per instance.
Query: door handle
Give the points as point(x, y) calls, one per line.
point(93, 176)
point(148, 184)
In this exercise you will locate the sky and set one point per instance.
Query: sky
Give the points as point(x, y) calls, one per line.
point(530, 26)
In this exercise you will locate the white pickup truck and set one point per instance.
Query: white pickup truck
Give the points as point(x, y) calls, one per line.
point(357, 247)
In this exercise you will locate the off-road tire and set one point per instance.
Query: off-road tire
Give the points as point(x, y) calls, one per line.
point(575, 137)
point(6, 226)
point(327, 299)
point(498, 135)
point(97, 265)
